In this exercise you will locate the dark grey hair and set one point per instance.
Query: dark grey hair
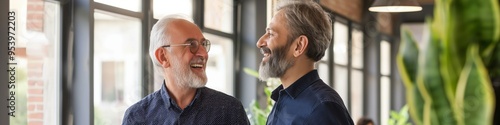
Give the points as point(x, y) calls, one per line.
point(309, 19)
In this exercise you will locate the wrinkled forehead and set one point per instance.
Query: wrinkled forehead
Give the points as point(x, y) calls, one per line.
point(181, 31)
point(278, 22)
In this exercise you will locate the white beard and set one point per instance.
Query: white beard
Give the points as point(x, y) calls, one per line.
point(185, 77)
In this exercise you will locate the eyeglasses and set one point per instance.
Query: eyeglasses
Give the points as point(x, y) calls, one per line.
point(193, 45)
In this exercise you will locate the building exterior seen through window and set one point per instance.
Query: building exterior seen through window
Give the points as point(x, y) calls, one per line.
point(37, 62)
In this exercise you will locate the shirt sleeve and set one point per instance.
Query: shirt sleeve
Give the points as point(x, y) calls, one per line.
point(240, 116)
point(130, 117)
point(329, 113)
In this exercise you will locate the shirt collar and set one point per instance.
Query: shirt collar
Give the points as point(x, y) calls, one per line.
point(298, 86)
point(169, 102)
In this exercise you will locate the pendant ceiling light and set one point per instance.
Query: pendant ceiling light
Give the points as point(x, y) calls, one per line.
point(395, 6)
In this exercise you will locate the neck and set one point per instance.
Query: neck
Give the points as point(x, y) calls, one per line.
point(183, 96)
point(299, 69)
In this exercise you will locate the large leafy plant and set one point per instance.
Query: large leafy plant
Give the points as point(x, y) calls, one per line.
point(449, 80)
point(258, 115)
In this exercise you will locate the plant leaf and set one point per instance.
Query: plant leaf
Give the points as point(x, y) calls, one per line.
point(407, 60)
point(437, 107)
point(251, 72)
point(475, 95)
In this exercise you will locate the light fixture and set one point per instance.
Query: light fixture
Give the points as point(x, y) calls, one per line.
point(395, 6)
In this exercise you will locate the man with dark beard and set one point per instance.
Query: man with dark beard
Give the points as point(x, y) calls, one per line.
point(295, 39)
point(180, 51)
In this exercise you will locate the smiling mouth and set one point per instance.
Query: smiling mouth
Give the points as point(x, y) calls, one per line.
point(196, 65)
point(265, 51)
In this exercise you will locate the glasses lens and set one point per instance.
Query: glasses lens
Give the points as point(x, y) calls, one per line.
point(206, 44)
point(194, 46)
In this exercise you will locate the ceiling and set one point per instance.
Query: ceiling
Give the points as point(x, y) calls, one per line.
point(419, 17)
point(425, 2)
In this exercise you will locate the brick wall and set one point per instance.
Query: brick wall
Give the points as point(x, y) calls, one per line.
point(35, 52)
point(352, 9)
point(384, 23)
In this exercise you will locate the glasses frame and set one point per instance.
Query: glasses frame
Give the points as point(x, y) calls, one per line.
point(194, 45)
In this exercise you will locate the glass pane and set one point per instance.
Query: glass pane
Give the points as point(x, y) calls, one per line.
point(357, 49)
point(220, 64)
point(327, 52)
point(165, 7)
point(34, 70)
point(385, 99)
point(385, 58)
point(340, 84)
point(117, 85)
point(340, 43)
point(132, 5)
point(356, 94)
point(323, 72)
point(219, 15)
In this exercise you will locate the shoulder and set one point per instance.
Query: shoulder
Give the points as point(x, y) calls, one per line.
point(228, 107)
point(329, 107)
point(331, 113)
point(139, 110)
point(325, 93)
point(219, 97)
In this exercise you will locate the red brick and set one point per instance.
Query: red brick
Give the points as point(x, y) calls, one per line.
point(37, 115)
point(35, 122)
point(35, 16)
point(35, 7)
point(352, 9)
point(384, 23)
point(39, 107)
point(35, 91)
point(34, 73)
point(31, 107)
point(35, 99)
point(32, 82)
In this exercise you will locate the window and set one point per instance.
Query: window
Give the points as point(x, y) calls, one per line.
point(37, 62)
point(132, 5)
point(323, 68)
point(218, 22)
point(385, 82)
point(220, 64)
point(340, 44)
point(162, 8)
point(117, 84)
point(219, 15)
point(357, 75)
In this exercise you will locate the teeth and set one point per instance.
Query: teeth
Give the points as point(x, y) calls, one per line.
point(196, 65)
point(266, 54)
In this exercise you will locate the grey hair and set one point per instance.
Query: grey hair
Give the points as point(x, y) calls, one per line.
point(309, 19)
point(159, 37)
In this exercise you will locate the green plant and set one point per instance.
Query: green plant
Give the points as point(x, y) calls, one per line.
point(401, 117)
point(449, 80)
point(259, 115)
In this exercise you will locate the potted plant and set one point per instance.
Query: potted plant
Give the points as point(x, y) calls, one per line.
point(449, 80)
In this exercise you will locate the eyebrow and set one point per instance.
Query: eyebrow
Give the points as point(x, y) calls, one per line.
point(191, 39)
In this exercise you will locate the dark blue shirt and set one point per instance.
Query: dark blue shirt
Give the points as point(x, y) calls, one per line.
point(209, 107)
point(308, 101)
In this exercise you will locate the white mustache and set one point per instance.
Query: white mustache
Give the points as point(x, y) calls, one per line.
point(198, 61)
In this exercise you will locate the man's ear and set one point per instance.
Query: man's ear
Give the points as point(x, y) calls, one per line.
point(161, 57)
point(300, 45)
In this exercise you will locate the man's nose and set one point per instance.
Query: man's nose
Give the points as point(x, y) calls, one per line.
point(202, 51)
point(261, 42)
